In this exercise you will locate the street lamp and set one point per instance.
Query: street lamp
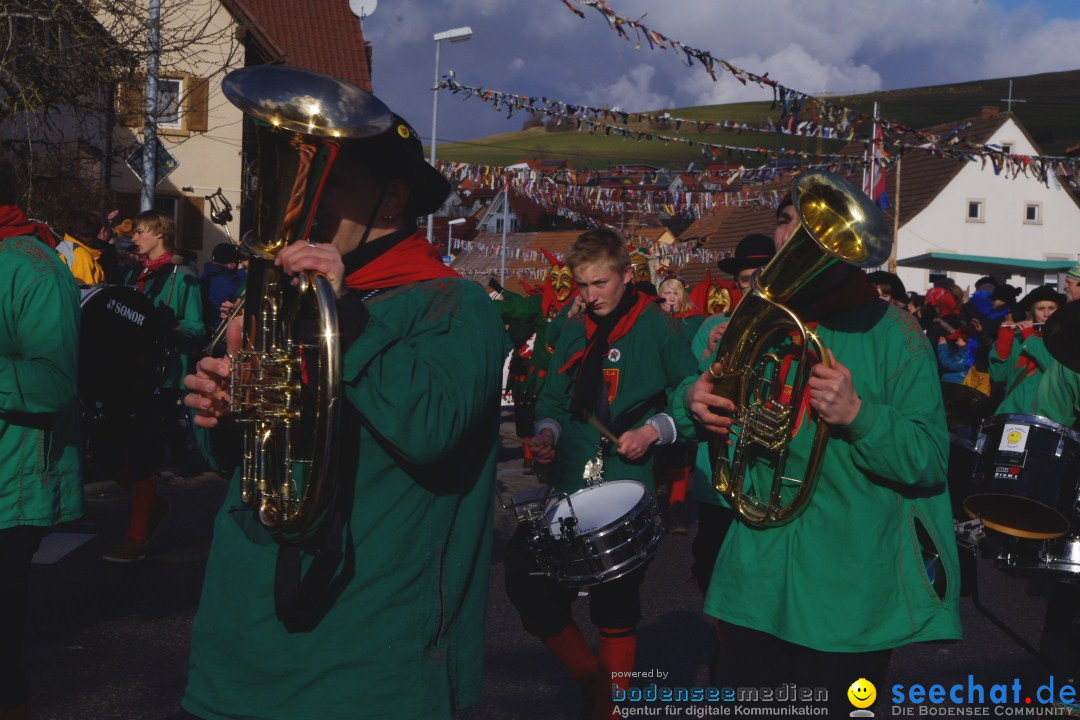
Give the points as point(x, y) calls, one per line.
point(456, 35)
point(450, 234)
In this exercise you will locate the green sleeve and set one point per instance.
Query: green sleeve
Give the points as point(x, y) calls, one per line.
point(519, 307)
point(421, 393)
point(685, 425)
point(903, 438)
point(1059, 395)
point(187, 304)
point(1036, 348)
point(555, 397)
point(701, 337)
point(555, 327)
point(1002, 369)
point(44, 326)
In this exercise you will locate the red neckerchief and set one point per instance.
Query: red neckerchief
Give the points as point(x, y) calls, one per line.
point(688, 312)
point(13, 223)
point(621, 328)
point(411, 260)
point(150, 267)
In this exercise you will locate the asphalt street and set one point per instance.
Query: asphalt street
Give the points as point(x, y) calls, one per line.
point(110, 642)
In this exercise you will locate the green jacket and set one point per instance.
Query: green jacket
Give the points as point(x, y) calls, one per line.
point(405, 639)
point(528, 309)
point(1020, 388)
point(849, 575)
point(40, 472)
point(175, 291)
point(1058, 396)
point(649, 361)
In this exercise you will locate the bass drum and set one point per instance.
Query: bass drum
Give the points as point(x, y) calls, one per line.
point(121, 351)
point(1025, 481)
point(597, 534)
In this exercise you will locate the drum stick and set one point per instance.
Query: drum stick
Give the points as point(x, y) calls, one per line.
point(514, 438)
point(591, 419)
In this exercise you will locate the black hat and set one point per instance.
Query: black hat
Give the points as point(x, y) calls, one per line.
point(1039, 294)
point(753, 251)
point(1006, 293)
point(225, 253)
point(398, 153)
point(985, 280)
point(896, 287)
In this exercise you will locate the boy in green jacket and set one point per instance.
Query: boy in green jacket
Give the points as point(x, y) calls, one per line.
point(617, 362)
point(871, 563)
point(396, 630)
point(143, 441)
point(40, 471)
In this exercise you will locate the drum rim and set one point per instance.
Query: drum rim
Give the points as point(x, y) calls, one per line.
point(1011, 531)
point(1034, 420)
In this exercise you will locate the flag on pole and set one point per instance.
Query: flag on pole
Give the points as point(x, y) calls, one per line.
point(874, 178)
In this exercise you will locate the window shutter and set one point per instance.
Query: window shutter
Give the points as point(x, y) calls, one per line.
point(131, 100)
point(197, 104)
point(191, 222)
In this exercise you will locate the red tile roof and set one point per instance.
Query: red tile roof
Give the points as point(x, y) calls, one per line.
point(319, 35)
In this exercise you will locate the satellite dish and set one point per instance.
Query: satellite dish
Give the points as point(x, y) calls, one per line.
point(363, 8)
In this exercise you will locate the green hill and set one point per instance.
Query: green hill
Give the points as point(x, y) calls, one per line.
point(1049, 112)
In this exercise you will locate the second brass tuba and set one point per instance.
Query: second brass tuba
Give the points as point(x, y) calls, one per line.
point(838, 224)
point(286, 379)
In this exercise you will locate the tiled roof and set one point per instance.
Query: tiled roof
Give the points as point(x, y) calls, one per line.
point(319, 35)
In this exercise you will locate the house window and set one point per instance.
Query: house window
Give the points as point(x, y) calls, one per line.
point(1006, 148)
point(170, 91)
point(975, 211)
point(1033, 213)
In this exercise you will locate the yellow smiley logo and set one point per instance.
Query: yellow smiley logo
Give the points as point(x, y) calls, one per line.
point(403, 131)
point(1014, 437)
point(862, 693)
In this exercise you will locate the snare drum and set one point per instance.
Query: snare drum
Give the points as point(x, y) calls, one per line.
point(121, 351)
point(597, 534)
point(1026, 477)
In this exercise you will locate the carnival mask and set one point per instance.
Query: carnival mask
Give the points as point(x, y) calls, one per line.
point(562, 282)
point(718, 300)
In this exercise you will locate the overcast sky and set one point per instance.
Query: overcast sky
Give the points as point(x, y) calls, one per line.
point(538, 47)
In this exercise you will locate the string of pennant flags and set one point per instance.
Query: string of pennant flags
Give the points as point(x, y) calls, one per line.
point(595, 120)
point(802, 110)
point(582, 202)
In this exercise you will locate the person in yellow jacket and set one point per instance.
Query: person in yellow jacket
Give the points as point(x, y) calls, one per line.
point(75, 250)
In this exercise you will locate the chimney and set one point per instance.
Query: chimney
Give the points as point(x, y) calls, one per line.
point(989, 111)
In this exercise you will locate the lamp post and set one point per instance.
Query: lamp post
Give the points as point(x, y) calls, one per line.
point(450, 234)
point(457, 35)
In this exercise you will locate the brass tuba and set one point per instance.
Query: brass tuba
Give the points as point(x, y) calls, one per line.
point(285, 381)
point(838, 223)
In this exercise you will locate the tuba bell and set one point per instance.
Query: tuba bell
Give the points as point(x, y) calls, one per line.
point(285, 381)
point(838, 224)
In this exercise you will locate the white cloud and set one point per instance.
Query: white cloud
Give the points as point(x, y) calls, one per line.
point(517, 64)
point(630, 92)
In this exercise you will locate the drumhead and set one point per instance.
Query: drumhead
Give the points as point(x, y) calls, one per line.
point(121, 349)
point(597, 506)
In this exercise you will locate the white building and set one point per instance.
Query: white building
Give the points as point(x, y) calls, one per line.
point(964, 220)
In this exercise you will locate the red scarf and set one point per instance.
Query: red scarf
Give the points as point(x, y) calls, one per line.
point(411, 260)
point(150, 267)
point(621, 328)
point(13, 223)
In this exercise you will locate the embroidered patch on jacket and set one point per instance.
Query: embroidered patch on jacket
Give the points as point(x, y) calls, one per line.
point(614, 355)
point(611, 381)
